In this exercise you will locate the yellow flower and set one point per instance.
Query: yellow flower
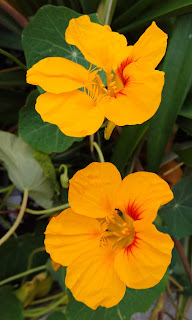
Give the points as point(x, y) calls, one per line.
point(107, 238)
point(134, 87)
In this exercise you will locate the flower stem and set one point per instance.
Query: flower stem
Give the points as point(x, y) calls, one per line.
point(99, 152)
point(52, 210)
point(14, 59)
point(183, 258)
point(22, 274)
point(6, 189)
point(9, 192)
point(53, 297)
point(176, 283)
point(18, 220)
point(21, 20)
point(30, 260)
point(173, 302)
point(38, 312)
point(106, 10)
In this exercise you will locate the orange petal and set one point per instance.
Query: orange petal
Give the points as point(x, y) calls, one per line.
point(145, 262)
point(139, 99)
point(92, 190)
point(93, 280)
point(141, 194)
point(58, 75)
point(151, 46)
point(98, 44)
point(75, 113)
point(69, 235)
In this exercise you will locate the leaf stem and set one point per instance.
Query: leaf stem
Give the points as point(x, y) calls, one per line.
point(17, 16)
point(14, 59)
point(38, 312)
point(176, 283)
point(99, 152)
point(183, 258)
point(30, 260)
point(22, 274)
point(53, 297)
point(6, 189)
point(18, 220)
point(106, 10)
point(9, 192)
point(173, 302)
point(52, 210)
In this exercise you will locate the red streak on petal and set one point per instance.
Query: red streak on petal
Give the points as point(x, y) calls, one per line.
point(121, 68)
point(134, 211)
point(129, 249)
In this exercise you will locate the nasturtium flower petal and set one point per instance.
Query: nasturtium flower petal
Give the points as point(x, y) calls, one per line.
point(58, 75)
point(98, 44)
point(93, 279)
point(92, 190)
point(139, 99)
point(75, 113)
point(141, 194)
point(144, 263)
point(69, 235)
point(151, 46)
point(107, 239)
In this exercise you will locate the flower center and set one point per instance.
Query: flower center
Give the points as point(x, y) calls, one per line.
point(118, 228)
point(95, 88)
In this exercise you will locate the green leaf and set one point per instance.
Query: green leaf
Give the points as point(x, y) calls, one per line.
point(163, 8)
point(10, 306)
point(133, 301)
point(185, 124)
point(177, 214)
point(184, 150)
point(89, 6)
point(44, 36)
point(131, 13)
point(48, 168)
point(41, 135)
point(126, 144)
point(186, 110)
point(12, 79)
point(178, 80)
point(18, 251)
point(23, 170)
point(57, 316)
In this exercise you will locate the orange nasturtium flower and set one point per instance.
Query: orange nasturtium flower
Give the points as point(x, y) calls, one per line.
point(107, 238)
point(134, 87)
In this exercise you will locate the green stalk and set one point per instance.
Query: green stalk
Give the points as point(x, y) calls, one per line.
point(106, 10)
point(53, 297)
point(30, 260)
point(100, 154)
point(38, 312)
point(9, 192)
point(6, 189)
point(22, 274)
point(14, 59)
point(52, 210)
point(18, 220)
